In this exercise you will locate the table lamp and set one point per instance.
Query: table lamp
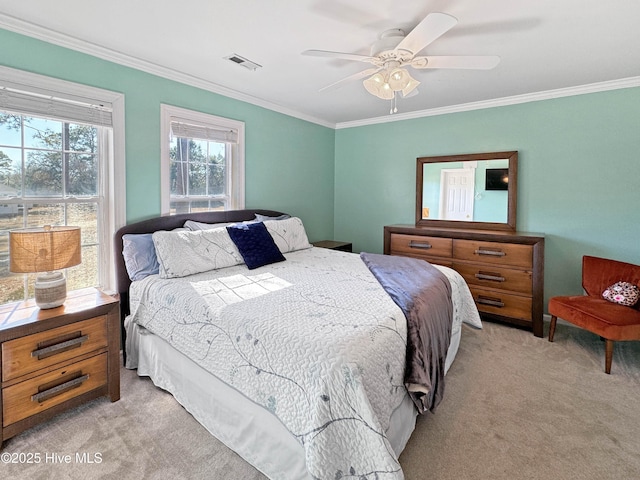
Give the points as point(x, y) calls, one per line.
point(45, 249)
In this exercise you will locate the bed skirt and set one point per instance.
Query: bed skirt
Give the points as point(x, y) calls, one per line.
point(249, 429)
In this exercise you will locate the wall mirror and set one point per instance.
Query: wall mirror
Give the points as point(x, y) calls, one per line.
point(476, 190)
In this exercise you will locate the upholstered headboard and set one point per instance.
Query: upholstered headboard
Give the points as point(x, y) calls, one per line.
point(169, 223)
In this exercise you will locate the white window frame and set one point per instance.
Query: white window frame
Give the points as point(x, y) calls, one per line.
point(169, 113)
point(113, 173)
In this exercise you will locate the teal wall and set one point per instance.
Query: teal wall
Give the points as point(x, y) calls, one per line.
point(579, 168)
point(289, 162)
point(578, 174)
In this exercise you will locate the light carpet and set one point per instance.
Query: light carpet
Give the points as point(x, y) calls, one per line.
point(515, 407)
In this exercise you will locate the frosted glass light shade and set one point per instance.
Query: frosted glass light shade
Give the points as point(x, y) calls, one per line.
point(399, 79)
point(413, 83)
point(384, 85)
point(379, 86)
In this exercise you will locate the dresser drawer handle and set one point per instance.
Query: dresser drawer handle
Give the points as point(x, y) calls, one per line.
point(59, 389)
point(495, 253)
point(425, 246)
point(490, 276)
point(52, 349)
point(495, 302)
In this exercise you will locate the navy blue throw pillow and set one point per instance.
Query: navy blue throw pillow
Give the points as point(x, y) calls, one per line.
point(255, 244)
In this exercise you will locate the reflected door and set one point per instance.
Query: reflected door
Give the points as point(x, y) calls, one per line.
point(457, 189)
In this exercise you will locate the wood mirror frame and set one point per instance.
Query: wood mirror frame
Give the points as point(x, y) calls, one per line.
point(512, 192)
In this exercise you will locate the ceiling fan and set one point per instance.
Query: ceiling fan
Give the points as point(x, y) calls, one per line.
point(393, 51)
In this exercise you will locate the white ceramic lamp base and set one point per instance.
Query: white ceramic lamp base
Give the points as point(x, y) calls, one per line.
point(50, 290)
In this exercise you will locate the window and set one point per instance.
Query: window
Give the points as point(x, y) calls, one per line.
point(202, 162)
point(58, 166)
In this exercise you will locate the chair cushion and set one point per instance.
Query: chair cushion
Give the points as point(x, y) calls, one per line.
point(609, 320)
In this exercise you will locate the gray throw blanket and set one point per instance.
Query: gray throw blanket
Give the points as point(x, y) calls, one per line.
point(423, 293)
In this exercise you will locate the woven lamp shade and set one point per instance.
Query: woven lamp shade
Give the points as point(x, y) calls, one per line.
point(44, 249)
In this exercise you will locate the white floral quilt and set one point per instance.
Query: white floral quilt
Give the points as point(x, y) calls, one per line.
point(315, 340)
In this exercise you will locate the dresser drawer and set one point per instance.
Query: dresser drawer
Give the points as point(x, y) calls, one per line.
point(496, 276)
point(39, 350)
point(504, 304)
point(39, 393)
point(445, 262)
point(420, 246)
point(494, 253)
point(503, 269)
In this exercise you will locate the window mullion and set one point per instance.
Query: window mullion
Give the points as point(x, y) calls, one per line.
point(207, 160)
point(105, 214)
point(64, 144)
point(22, 169)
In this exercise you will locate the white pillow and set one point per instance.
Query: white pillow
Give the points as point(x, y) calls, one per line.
point(195, 226)
point(289, 234)
point(185, 253)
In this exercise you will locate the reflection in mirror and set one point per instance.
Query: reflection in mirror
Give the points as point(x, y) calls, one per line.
point(465, 191)
point(477, 189)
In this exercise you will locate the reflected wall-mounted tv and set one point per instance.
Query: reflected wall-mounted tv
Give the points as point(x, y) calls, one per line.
point(497, 179)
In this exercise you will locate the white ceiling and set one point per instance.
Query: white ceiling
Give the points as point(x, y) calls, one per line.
point(544, 45)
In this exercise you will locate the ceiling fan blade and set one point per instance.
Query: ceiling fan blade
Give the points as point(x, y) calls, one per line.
point(341, 55)
point(429, 29)
point(473, 62)
point(355, 76)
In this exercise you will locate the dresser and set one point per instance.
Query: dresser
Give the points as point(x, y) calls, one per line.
point(504, 270)
point(56, 359)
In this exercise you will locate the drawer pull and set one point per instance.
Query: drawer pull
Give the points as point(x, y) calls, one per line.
point(495, 302)
point(489, 276)
point(495, 253)
point(425, 246)
point(58, 390)
point(52, 349)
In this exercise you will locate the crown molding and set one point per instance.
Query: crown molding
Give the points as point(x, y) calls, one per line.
point(499, 102)
point(50, 36)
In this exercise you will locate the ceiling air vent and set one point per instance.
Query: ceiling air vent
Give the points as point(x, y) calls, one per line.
point(243, 61)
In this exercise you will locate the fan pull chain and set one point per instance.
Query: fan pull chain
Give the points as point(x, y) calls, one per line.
point(394, 104)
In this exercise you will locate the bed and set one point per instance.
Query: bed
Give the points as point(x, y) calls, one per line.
point(298, 365)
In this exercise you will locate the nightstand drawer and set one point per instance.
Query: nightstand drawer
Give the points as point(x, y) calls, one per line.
point(39, 350)
point(420, 246)
point(37, 394)
point(334, 245)
point(508, 254)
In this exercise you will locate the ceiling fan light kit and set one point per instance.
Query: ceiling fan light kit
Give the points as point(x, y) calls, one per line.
point(393, 51)
point(386, 84)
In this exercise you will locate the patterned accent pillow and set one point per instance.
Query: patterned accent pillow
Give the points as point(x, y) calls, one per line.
point(622, 293)
point(255, 244)
point(195, 226)
point(185, 253)
point(289, 234)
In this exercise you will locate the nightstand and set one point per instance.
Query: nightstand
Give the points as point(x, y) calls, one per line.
point(333, 245)
point(56, 359)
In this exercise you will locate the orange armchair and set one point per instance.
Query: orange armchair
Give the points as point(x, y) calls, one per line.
point(611, 321)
